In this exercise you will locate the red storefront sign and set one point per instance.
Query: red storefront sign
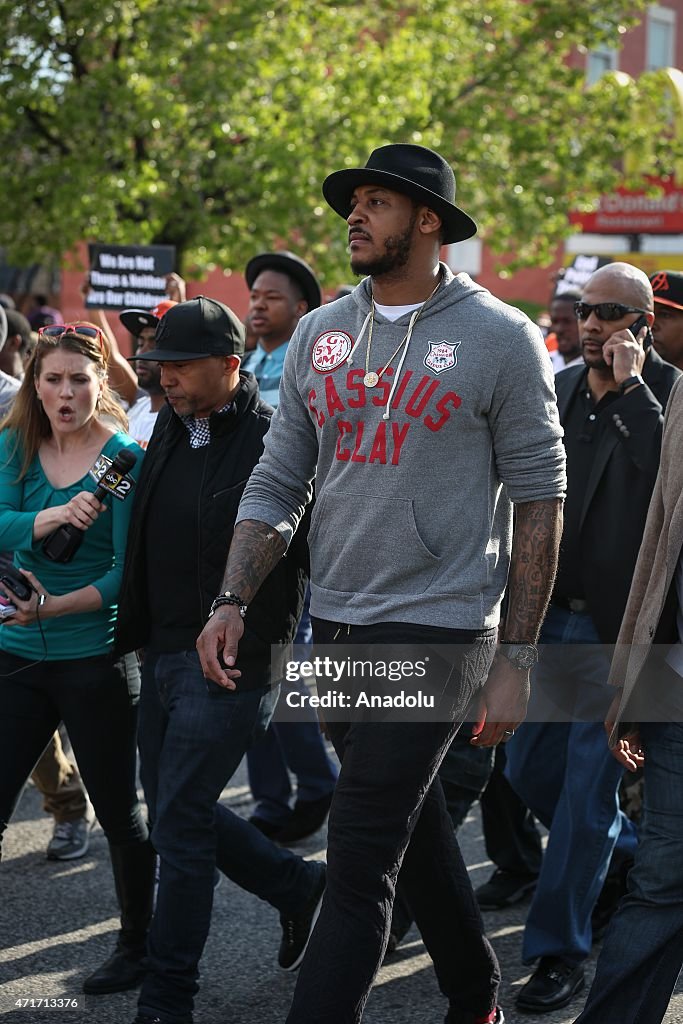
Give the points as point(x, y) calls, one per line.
point(626, 212)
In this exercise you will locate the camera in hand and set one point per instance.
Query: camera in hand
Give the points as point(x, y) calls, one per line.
point(13, 582)
point(63, 543)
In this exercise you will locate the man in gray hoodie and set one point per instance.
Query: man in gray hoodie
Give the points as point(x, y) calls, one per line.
point(424, 408)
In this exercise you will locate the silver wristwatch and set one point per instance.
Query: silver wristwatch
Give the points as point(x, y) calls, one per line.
point(522, 656)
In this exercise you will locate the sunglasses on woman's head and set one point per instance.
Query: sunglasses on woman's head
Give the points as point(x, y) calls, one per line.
point(604, 310)
point(85, 331)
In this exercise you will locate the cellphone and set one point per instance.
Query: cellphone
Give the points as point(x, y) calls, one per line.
point(17, 584)
point(637, 327)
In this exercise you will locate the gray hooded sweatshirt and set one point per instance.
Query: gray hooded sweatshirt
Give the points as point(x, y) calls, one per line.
point(415, 477)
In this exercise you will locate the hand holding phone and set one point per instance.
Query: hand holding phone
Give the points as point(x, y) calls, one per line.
point(637, 327)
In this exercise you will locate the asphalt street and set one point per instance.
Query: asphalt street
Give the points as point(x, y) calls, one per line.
point(58, 922)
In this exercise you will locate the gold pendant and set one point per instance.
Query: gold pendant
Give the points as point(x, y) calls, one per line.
point(371, 379)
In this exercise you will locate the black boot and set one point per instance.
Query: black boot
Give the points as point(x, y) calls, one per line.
point(133, 867)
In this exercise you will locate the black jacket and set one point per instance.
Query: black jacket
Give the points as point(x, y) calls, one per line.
point(235, 448)
point(619, 488)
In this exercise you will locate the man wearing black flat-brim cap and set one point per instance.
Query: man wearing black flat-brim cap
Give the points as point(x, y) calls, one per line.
point(423, 408)
point(192, 733)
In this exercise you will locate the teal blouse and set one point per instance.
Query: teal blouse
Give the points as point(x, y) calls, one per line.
point(98, 561)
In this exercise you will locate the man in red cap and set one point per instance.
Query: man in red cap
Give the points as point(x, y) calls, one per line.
point(667, 330)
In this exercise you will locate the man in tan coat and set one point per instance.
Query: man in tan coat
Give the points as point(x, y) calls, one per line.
point(643, 950)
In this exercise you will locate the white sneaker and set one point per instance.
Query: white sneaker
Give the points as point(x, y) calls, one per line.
point(70, 839)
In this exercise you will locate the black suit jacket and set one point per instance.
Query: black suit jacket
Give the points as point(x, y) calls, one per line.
point(619, 488)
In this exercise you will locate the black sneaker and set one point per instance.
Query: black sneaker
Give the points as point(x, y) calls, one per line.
point(503, 889)
point(296, 930)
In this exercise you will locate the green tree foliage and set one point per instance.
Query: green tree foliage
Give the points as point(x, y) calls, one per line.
point(210, 124)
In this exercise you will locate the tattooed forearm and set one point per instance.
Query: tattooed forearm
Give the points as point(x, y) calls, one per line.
point(255, 551)
point(535, 543)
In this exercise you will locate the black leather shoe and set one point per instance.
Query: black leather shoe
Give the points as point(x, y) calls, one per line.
point(553, 984)
point(124, 970)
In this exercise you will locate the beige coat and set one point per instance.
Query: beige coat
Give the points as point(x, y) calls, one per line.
point(657, 560)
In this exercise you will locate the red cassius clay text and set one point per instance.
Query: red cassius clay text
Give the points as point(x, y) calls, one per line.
point(417, 397)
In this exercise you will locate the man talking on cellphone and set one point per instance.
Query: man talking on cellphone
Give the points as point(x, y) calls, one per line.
point(611, 409)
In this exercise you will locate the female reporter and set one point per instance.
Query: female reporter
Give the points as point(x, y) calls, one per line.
point(56, 661)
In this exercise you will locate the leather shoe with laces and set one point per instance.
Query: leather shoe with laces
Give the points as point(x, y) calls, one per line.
point(553, 984)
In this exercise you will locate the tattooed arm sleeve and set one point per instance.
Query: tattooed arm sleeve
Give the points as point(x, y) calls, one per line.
point(535, 544)
point(255, 551)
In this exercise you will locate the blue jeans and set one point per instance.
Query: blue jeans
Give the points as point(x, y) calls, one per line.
point(389, 814)
point(564, 772)
point(193, 735)
point(295, 747)
point(643, 950)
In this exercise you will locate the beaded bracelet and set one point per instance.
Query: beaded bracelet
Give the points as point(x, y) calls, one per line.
point(228, 598)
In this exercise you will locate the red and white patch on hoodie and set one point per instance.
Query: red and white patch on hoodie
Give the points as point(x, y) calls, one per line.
point(441, 356)
point(330, 350)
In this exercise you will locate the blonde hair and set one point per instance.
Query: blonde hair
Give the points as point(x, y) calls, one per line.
point(27, 419)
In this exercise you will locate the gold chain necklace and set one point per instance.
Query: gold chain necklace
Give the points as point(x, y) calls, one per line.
point(371, 379)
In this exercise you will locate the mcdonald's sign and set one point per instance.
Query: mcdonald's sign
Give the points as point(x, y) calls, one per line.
point(639, 211)
point(628, 212)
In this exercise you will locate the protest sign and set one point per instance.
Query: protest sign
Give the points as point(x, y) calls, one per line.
point(128, 276)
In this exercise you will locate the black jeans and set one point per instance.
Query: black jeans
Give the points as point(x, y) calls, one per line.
point(389, 813)
point(96, 698)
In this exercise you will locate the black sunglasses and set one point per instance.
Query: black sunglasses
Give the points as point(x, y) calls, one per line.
point(604, 310)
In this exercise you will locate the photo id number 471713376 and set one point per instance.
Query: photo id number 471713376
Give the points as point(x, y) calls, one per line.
point(43, 1003)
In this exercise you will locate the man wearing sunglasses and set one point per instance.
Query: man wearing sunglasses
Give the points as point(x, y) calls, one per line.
point(611, 409)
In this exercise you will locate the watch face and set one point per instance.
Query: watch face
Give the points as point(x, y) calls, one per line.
point(522, 656)
point(525, 658)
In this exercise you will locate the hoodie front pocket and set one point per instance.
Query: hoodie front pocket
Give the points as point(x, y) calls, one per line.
point(369, 544)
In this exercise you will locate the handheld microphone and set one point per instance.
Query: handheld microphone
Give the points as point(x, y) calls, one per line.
point(63, 543)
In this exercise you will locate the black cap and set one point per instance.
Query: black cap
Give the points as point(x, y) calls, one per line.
point(196, 329)
point(293, 266)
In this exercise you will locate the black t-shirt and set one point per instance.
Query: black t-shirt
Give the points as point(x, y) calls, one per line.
point(171, 550)
point(584, 423)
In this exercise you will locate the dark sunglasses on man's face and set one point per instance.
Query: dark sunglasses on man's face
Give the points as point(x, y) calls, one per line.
point(604, 310)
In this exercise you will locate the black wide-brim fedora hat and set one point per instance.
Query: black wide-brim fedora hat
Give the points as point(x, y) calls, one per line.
point(415, 171)
point(287, 263)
